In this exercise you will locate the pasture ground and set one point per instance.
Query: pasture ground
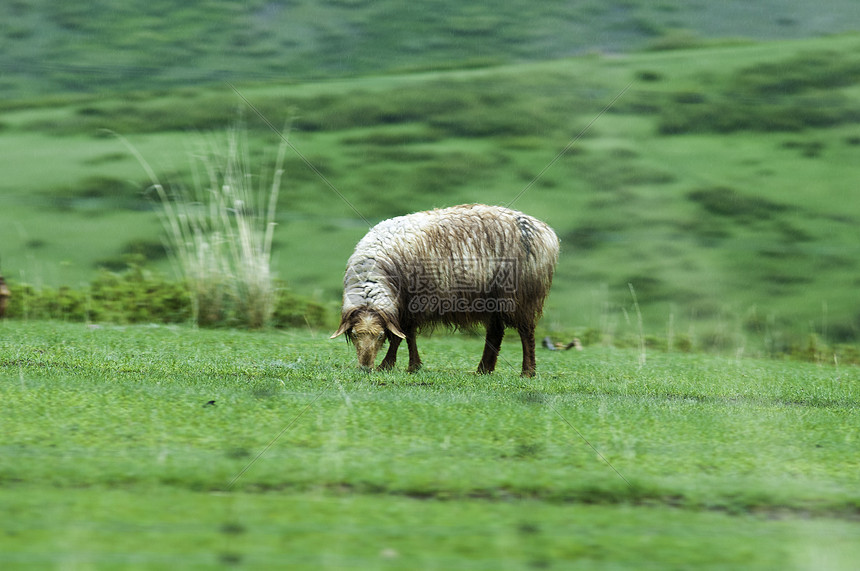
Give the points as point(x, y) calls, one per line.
point(137, 447)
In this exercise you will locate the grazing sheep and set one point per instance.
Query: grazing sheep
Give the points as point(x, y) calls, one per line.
point(457, 266)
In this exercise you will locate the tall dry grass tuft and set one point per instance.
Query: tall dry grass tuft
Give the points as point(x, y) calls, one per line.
point(641, 329)
point(220, 230)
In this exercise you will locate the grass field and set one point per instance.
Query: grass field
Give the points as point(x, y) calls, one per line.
point(135, 447)
point(699, 162)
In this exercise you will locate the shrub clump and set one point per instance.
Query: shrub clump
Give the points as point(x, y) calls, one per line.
point(137, 295)
point(788, 95)
point(727, 202)
point(133, 296)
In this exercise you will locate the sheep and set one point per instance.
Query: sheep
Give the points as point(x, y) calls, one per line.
point(459, 266)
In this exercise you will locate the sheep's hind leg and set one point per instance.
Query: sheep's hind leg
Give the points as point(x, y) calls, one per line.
point(492, 344)
point(412, 344)
point(391, 356)
point(527, 336)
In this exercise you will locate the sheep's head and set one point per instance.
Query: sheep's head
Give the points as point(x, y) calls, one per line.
point(367, 331)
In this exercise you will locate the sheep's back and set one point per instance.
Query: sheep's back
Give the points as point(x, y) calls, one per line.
point(468, 252)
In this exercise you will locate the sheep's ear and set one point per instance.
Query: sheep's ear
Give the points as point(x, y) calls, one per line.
point(344, 327)
point(394, 329)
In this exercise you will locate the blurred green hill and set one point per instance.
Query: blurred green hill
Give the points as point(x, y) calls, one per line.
point(98, 45)
point(721, 185)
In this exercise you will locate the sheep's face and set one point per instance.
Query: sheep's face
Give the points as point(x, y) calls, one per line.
point(367, 330)
point(368, 334)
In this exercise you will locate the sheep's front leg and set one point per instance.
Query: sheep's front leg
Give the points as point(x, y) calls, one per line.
point(492, 344)
point(391, 356)
point(527, 336)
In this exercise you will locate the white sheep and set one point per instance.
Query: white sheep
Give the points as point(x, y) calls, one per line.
point(456, 266)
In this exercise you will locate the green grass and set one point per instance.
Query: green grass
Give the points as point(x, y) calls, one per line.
point(114, 529)
point(113, 457)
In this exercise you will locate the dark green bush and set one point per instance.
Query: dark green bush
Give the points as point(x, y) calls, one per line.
point(814, 70)
point(789, 95)
point(725, 201)
point(99, 193)
point(137, 296)
point(649, 75)
point(148, 249)
point(675, 40)
point(29, 303)
point(292, 310)
point(140, 296)
point(589, 236)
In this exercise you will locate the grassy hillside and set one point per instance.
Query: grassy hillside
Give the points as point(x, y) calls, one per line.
point(721, 184)
point(150, 446)
point(101, 46)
